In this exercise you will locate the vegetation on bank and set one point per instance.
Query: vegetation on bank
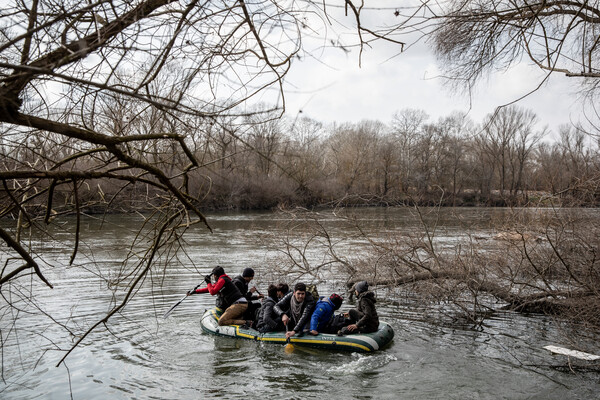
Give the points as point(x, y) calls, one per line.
point(503, 161)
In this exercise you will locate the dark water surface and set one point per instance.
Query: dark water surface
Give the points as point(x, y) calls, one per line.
point(143, 356)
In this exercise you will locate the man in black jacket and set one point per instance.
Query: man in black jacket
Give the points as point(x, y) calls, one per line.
point(267, 320)
point(242, 281)
point(295, 309)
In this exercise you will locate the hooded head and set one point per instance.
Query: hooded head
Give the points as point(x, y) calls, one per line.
point(361, 287)
point(218, 271)
point(248, 273)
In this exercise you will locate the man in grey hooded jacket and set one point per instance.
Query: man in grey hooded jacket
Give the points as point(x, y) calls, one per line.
point(363, 318)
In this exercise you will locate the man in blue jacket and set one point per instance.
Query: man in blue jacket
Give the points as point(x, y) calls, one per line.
point(323, 313)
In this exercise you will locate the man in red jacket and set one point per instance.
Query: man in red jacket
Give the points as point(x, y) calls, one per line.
point(228, 295)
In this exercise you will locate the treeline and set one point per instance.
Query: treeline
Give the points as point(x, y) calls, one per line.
point(505, 160)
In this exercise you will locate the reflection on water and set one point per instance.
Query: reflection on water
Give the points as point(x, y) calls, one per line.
point(143, 356)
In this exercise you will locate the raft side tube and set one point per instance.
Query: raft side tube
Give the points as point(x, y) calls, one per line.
point(362, 342)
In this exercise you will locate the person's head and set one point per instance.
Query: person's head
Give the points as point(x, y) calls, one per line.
point(336, 300)
point(361, 287)
point(248, 274)
point(218, 271)
point(282, 290)
point(272, 291)
point(299, 292)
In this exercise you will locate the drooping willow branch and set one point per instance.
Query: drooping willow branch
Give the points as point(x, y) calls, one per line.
point(156, 245)
point(30, 262)
point(77, 222)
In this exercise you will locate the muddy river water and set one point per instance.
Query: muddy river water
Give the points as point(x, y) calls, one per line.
point(143, 356)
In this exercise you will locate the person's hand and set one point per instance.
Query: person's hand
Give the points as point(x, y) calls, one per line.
point(260, 296)
point(352, 328)
point(289, 334)
point(193, 291)
point(314, 333)
point(285, 319)
point(207, 279)
point(252, 289)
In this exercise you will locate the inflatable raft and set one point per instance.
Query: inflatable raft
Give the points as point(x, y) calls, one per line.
point(360, 342)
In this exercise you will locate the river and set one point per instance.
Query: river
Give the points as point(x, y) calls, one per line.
point(143, 356)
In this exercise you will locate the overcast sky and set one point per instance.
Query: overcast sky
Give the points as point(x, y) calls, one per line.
point(331, 87)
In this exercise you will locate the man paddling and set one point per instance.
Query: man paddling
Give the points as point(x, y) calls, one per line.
point(228, 295)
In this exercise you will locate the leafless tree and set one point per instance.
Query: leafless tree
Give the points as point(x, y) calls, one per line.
point(266, 137)
point(352, 152)
point(305, 156)
point(473, 37)
point(569, 168)
point(387, 169)
point(458, 130)
point(509, 139)
point(406, 126)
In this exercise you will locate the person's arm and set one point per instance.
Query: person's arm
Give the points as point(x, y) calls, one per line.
point(214, 289)
point(268, 316)
point(283, 305)
point(203, 290)
point(316, 316)
point(253, 295)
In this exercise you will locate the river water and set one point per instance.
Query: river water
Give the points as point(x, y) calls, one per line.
point(140, 355)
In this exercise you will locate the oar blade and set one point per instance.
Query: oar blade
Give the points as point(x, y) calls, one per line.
point(289, 348)
point(170, 310)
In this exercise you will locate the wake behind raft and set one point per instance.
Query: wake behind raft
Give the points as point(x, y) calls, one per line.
point(360, 342)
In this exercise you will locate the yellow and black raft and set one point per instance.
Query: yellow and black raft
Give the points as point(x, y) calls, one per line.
point(359, 342)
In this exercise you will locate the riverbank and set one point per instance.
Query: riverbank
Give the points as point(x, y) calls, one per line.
point(126, 204)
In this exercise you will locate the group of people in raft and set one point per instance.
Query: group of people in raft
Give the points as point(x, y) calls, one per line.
point(295, 312)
